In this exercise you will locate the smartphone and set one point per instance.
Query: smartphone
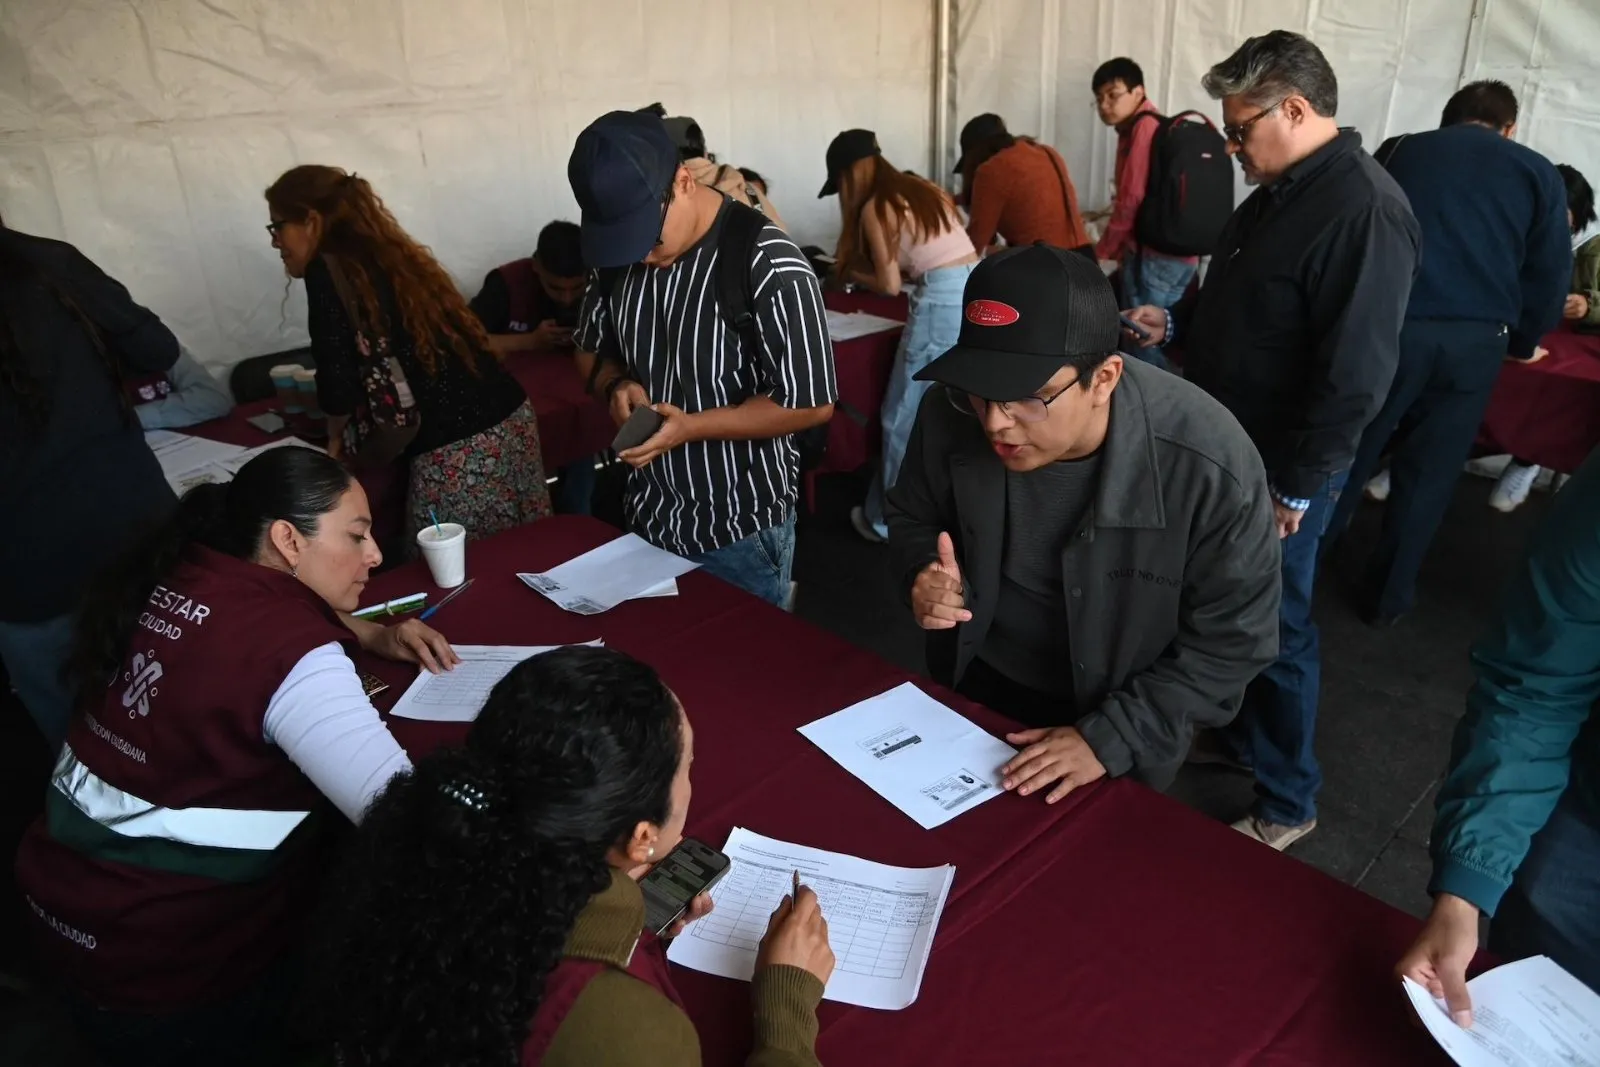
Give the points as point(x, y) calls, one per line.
point(689, 870)
point(640, 427)
point(267, 422)
point(1134, 328)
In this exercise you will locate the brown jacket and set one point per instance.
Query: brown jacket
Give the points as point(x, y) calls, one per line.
point(620, 1021)
point(1024, 194)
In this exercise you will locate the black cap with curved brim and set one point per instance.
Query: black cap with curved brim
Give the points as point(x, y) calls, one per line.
point(685, 132)
point(620, 170)
point(1027, 312)
point(977, 131)
point(845, 151)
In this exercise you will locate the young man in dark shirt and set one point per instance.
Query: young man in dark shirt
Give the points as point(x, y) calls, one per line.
point(1089, 541)
point(1296, 330)
point(531, 305)
point(1499, 257)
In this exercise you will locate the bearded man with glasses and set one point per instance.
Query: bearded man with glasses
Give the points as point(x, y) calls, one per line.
point(1088, 541)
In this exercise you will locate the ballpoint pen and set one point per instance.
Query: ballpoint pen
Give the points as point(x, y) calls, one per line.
point(457, 591)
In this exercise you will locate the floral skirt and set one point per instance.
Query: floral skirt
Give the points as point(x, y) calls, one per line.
point(488, 482)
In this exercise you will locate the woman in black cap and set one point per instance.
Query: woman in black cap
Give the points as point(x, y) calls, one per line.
point(898, 228)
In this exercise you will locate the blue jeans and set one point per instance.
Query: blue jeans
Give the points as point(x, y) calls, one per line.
point(1278, 720)
point(1151, 278)
point(34, 653)
point(932, 329)
point(759, 564)
point(1550, 908)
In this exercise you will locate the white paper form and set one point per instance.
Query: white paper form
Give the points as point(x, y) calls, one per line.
point(1530, 1013)
point(604, 577)
point(458, 695)
point(846, 326)
point(881, 919)
point(246, 456)
point(917, 754)
point(185, 459)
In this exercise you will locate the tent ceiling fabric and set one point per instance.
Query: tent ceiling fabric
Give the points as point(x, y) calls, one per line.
point(144, 131)
point(1397, 62)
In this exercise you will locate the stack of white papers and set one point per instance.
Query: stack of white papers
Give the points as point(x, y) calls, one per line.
point(600, 579)
point(914, 752)
point(190, 461)
point(881, 919)
point(1530, 1013)
point(846, 326)
point(458, 695)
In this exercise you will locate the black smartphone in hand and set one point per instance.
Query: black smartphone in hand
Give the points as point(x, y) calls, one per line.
point(1134, 328)
point(640, 427)
point(689, 870)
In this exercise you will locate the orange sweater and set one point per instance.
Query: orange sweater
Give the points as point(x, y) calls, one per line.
point(1018, 193)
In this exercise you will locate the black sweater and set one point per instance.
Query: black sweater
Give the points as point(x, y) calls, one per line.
point(79, 488)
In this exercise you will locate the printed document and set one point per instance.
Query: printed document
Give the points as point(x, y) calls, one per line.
point(458, 695)
point(847, 326)
point(604, 577)
point(881, 919)
point(190, 461)
point(1530, 1013)
point(917, 754)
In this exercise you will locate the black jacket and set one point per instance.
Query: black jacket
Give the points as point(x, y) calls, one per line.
point(1171, 583)
point(1297, 327)
point(78, 489)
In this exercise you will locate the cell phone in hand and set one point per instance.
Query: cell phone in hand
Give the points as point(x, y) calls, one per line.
point(671, 886)
point(640, 427)
point(1134, 328)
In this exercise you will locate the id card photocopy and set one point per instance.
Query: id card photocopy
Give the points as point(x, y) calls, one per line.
point(917, 754)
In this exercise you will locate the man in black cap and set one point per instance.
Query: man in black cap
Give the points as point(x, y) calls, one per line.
point(1089, 540)
point(718, 481)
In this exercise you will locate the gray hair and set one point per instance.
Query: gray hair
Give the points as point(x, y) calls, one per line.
point(1274, 66)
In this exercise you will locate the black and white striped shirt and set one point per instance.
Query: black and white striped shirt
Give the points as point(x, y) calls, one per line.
point(664, 326)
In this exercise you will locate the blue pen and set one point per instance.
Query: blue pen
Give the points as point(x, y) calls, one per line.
point(457, 591)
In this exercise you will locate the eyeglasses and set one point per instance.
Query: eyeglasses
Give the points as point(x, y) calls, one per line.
point(1237, 133)
point(666, 205)
point(1107, 97)
point(274, 228)
point(1028, 409)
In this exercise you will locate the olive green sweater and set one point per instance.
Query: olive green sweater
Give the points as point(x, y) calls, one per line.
point(620, 1021)
point(1586, 280)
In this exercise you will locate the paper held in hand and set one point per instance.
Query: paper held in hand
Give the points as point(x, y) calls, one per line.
point(881, 919)
point(624, 569)
point(917, 754)
point(1530, 1013)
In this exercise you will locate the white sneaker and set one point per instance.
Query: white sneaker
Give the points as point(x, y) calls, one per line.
point(1378, 487)
point(1512, 489)
point(863, 526)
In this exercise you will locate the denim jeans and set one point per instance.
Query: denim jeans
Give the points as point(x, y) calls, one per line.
point(1278, 720)
point(760, 564)
point(1151, 278)
point(1551, 909)
point(932, 329)
point(34, 653)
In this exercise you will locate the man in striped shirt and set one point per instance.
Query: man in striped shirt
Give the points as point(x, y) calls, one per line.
point(718, 481)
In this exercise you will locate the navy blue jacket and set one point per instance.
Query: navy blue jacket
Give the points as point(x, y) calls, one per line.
point(1495, 242)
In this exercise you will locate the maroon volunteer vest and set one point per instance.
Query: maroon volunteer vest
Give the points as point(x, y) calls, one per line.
point(522, 283)
point(174, 859)
point(572, 976)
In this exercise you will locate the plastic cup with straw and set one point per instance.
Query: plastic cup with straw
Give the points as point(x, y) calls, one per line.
point(444, 546)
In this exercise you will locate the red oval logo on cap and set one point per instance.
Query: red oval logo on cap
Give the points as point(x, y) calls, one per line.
point(991, 313)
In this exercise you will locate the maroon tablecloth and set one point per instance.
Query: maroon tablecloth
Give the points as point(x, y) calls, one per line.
point(1548, 412)
point(862, 365)
point(1117, 927)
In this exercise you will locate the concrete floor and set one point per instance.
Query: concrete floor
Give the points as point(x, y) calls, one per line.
point(1390, 700)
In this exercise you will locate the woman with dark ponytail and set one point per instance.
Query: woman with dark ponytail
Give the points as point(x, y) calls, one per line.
point(171, 869)
point(76, 480)
point(372, 290)
point(489, 910)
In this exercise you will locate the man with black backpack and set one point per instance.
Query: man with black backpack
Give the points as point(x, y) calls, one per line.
point(705, 313)
point(1174, 192)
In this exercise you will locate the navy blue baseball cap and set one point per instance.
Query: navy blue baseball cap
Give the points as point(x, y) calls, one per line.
point(620, 170)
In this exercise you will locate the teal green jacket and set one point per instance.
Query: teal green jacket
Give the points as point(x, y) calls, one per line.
point(1530, 732)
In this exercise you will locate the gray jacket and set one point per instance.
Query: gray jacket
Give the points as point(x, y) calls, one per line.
point(1171, 584)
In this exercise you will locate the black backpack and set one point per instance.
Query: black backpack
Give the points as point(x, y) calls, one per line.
point(1189, 197)
point(736, 298)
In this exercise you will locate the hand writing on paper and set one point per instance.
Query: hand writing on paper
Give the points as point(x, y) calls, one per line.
point(937, 601)
point(1059, 753)
point(1438, 959)
point(677, 430)
point(797, 936)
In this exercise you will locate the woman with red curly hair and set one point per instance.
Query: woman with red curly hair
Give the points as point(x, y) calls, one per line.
point(377, 298)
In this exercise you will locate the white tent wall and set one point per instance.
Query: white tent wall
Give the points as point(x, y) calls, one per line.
point(1397, 61)
point(143, 131)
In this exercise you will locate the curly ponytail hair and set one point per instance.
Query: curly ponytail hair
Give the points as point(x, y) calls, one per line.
point(466, 876)
point(358, 228)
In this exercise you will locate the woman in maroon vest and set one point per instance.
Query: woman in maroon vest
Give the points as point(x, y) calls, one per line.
point(475, 458)
point(176, 859)
point(489, 911)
